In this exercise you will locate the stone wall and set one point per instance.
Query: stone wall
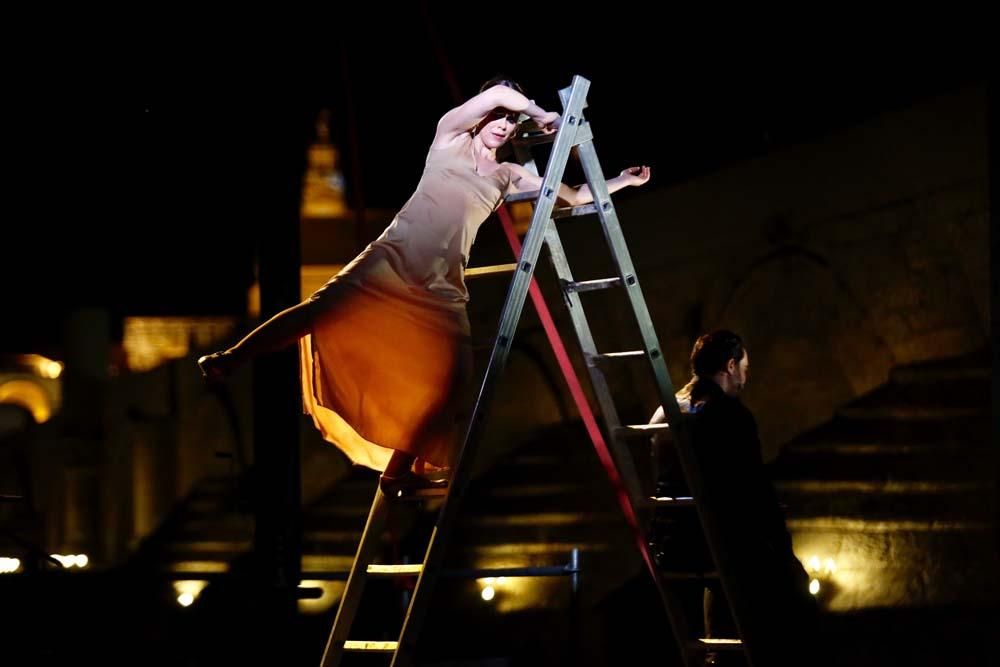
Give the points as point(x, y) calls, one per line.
point(835, 260)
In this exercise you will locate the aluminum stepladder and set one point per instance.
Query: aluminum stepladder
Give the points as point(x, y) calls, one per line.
point(643, 508)
point(574, 133)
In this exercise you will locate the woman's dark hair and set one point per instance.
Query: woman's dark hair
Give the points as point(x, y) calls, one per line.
point(711, 354)
point(498, 80)
point(502, 81)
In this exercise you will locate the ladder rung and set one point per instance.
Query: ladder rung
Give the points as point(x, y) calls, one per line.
point(716, 644)
point(688, 576)
point(489, 270)
point(375, 647)
point(574, 211)
point(529, 195)
point(535, 139)
point(615, 356)
point(394, 570)
point(420, 494)
point(530, 138)
point(590, 285)
point(640, 429)
point(561, 212)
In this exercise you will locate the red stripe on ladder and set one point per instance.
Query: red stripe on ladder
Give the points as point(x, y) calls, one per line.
point(566, 366)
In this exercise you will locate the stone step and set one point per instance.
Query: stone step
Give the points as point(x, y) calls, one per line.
point(219, 524)
point(889, 500)
point(972, 368)
point(552, 489)
point(951, 392)
point(353, 491)
point(884, 429)
point(860, 449)
point(553, 527)
point(890, 412)
point(197, 550)
point(207, 506)
point(331, 511)
point(883, 462)
point(210, 485)
point(509, 476)
point(526, 500)
point(538, 519)
point(333, 541)
point(874, 525)
point(356, 521)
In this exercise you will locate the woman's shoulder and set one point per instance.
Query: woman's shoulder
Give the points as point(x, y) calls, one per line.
point(445, 144)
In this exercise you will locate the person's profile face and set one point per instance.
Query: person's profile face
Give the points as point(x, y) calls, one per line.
point(742, 374)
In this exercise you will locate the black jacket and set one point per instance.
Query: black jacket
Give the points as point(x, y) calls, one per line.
point(736, 486)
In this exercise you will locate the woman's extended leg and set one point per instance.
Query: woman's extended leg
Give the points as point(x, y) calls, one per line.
point(277, 333)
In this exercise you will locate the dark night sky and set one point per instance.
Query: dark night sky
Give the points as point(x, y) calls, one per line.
point(142, 178)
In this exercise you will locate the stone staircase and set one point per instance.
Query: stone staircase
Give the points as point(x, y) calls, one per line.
point(898, 490)
point(532, 508)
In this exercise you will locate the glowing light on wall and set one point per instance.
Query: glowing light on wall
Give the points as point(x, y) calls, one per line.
point(30, 396)
point(330, 594)
point(72, 560)
point(188, 591)
point(9, 565)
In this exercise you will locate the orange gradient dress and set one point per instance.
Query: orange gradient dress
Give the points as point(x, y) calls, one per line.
point(388, 363)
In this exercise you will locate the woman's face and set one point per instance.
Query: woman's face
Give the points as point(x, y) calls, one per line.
point(498, 127)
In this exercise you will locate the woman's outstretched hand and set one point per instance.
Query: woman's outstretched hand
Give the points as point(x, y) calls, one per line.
point(635, 175)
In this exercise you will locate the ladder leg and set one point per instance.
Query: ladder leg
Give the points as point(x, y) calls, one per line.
point(406, 647)
point(619, 250)
point(350, 600)
point(622, 458)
